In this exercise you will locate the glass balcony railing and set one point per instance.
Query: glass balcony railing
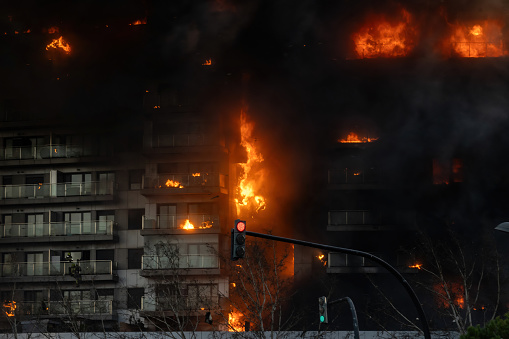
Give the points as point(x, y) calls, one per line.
point(41, 152)
point(63, 228)
point(153, 262)
point(54, 268)
point(185, 180)
point(178, 303)
point(66, 189)
point(85, 307)
point(184, 140)
point(188, 221)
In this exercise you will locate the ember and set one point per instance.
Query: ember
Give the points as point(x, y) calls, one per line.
point(59, 44)
point(207, 62)
point(353, 138)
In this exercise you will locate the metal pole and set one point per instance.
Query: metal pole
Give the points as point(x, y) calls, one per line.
point(354, 315)
point(401, 279)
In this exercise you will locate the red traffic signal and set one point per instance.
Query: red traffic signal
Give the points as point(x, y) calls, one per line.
point(241, 226)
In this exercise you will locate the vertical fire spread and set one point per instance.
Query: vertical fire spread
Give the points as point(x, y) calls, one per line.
point(252, 176)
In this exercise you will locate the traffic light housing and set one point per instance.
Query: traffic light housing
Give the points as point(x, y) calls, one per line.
point(238, 239)
point(322, 310)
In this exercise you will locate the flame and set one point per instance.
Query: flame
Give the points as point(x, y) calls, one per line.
point(207, 62)
point(10, 308)
point(479, 40)
point(251, 177)
point(139, 22)
point(187, 225)
point(53, 30)
point(196, 174)
point(418, 266)
point(59, 43)
point(353, 138)
point(171, 183)
point(383, 39)
point(454, 295)
point(234, 323)
point(321, 257)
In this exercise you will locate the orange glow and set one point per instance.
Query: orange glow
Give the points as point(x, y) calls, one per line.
point(187, 225)
point(450, 294)
point(321, 257)
point(234, 323)
point(59, 44)
point(139, 22)
point(10, 308)
point(383, 38)
point(252, 176)
point(476, 40)
point(171, 183)
point(418, 266)
point(207, 62)
point(196, 174)
point(53, 30)
point(353, 138)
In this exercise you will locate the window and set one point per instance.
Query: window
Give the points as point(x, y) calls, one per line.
point(134, 258)
point(78, 223)
point(202, 295)
point(105, 255)
point(35, 264)
point(135, 179)
point(167, 216)
point(35, 225)
point(134, 296)
point(78, 184)
point(8, 230)
point(105, 221)
point(447, 171)
point(104, 300)
point(135, 217)
point(106, 181)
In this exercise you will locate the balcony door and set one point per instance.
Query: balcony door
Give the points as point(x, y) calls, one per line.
point(167, 216)
point(35, 225)
point(78, 223)
point(35, 264)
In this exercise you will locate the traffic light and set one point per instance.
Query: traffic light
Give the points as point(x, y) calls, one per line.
point(322, 309)
point(239, 239)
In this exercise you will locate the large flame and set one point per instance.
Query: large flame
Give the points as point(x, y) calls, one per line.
point(10, 307)
point(386, 39)
point(476, 40)
point(252, 176)
point(187, 225)
point(353, 138)
point(59, 43)
point(234, 323)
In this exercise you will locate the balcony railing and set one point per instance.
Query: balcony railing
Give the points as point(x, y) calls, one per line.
point(169, 221)
point(178, 303)
point(67, 189)
point(184, 140)
point(84, 307)
point(351, 217)
point(352, 176)
point(153, 262)
point(54, 268)
point(41, 152)
point(185, 180)
point(63, 228)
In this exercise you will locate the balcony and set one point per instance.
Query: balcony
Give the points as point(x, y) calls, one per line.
point(182, 183)
point(57, 231)
point(82, 307)
point(18, 193)
point(50, 270)
point(153, 265)
point(349, 263)
point(366, 220)
point(178, 303)
point(41, 152)
point(180, 224)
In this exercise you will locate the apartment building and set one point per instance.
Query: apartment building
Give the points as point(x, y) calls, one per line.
point(125, 209)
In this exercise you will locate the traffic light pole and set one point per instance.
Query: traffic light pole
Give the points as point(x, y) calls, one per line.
point(354, 315)
point(401, 279)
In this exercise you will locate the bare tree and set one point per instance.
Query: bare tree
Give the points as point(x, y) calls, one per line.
point(261, 286)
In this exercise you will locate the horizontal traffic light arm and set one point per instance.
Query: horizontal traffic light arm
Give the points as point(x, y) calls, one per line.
point(381, 262)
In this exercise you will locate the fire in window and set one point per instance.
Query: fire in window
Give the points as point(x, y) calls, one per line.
point(447, 171)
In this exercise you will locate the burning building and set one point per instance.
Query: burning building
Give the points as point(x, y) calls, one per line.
point(362, 130)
